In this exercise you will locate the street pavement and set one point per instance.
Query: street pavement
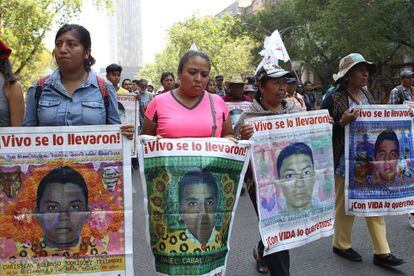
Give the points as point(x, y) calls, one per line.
point(315, 258)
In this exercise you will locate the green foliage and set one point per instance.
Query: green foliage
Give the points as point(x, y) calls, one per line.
point(229, 54)
point(23, 26)
point(320, 32)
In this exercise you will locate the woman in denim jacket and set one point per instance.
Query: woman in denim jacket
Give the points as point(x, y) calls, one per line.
point(73, 94)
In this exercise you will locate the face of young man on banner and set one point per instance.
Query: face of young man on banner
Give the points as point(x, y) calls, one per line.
point(386, 161)
point(297, 181)
point(198, 202)
point(62, 214)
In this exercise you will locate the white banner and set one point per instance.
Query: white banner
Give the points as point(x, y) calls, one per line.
point(293, 171)
point(65, 201)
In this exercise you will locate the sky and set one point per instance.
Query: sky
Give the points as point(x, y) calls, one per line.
point(156, 17)
point(159, 15)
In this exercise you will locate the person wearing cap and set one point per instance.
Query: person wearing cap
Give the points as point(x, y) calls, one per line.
point(11, 92)
point(235, 93)
point(220, 89)
point(250, 90)
point(353, 75)
point(270, 99)
point(398, 95)
point(404, 91)
point(294, 96)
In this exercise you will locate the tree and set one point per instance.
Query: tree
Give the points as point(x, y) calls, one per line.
point(24, 24)
point(229, 54)
point(320, 32)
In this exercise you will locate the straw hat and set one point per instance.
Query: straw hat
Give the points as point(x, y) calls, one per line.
point(348, 62)
point(236, 79)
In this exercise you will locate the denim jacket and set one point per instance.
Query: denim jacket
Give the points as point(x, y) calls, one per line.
point(56, 108)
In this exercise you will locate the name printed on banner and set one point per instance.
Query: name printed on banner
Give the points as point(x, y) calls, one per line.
point(156, 145)
point(12, 141)
point(385, 113)
point(285, 235)
point(291, 123)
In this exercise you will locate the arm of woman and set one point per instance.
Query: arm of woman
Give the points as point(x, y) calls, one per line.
point(14, 94)
point(227, 130)
point(148, 127)
point(30, 114)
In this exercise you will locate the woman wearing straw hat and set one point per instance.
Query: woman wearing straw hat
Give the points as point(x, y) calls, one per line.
point(352, 78)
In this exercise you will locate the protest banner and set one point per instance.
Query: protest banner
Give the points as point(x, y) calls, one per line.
point(191, 189)
point(128, 109)
point(236, 109)
point(379, 171)
point(65, 201)
point(292, 164)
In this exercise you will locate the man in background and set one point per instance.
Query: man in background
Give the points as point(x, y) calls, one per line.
point(113, 75)
point(404, 91)
point(220, 89)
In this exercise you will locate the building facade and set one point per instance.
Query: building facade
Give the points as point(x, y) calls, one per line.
point(125, 38)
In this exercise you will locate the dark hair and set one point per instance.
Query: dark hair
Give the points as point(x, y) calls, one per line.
point(195, 176)
point(121, 106)
point(165, 75)
point(125, 80)
point(295, 148)
point(251, 80)
point(235, 112)
point(61, 175)
point(113, 68)
point(262, 81)
point(388, 135)
point(7, 71)
point(136, 81)
point(143, 82)
point(84, 38)
point(184, 59)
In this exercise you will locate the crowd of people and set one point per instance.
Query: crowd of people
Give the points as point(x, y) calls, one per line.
point(193, 104)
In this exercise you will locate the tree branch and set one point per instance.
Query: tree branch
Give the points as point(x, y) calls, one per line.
point(31, 54)
point(402, 42)
point(37, 43)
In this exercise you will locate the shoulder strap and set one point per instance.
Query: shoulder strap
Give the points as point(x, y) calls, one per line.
point(105, 95)
point(40, 85)
point(213, 114)
point(401, 97)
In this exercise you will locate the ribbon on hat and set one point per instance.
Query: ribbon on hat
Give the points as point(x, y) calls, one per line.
point(5, 50)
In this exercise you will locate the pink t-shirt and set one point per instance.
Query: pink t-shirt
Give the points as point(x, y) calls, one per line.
point(174, 120)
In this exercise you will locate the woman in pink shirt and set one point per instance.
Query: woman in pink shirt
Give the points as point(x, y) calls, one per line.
point(189, 111)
